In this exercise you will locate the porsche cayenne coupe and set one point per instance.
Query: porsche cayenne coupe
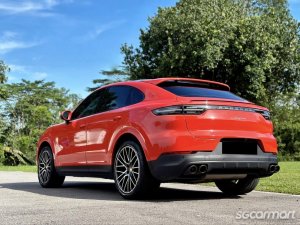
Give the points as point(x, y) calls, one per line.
point(142, 133)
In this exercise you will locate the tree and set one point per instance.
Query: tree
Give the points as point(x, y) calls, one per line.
point(113, 75)
point(252, 45)
point(3, 69)
point(286, 120)
point(29, 109)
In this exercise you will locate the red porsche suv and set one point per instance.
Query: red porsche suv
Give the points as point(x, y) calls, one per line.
point(142, 133)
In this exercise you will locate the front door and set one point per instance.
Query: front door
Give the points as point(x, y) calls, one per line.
point(72, 140)
point(70, 144)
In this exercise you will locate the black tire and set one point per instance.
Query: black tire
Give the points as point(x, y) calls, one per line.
point(237, 187)
point(131, 169)
point(48, 177)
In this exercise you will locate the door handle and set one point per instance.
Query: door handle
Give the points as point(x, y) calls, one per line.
point(82, 126)
point(116, 118)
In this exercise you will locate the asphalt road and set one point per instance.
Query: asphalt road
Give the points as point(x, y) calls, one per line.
point(96, 201)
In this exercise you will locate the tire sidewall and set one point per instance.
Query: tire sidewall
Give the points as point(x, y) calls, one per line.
point(243, 186)
point(47, 149)
point(141, 177)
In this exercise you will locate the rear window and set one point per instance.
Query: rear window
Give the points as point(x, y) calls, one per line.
point(197, 91)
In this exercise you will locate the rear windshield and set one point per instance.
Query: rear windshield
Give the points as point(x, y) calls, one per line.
point(190, 91)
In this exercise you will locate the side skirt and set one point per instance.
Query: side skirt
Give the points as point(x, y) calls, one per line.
point(86, 171)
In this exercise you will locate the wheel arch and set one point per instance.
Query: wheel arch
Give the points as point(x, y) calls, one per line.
point(42, 145)
point(126, 135)
point(44, 141)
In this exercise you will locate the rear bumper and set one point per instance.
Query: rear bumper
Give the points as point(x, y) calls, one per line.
point(173, 167)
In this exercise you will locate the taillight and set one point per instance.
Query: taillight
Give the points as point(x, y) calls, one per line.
point(264, 113)
point(179, 109)
point(170, 110)
point(198, 109)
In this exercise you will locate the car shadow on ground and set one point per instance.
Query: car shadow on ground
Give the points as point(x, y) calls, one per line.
point(107, 191)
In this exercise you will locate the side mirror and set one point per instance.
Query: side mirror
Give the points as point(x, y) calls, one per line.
point(66, 115)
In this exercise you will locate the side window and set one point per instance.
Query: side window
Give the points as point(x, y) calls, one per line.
point(135, 96)
point(120, 94)
point(89, 106)
point(124, 96)
point(108, 99)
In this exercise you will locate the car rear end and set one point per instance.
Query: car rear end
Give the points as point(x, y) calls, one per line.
point(219, 135)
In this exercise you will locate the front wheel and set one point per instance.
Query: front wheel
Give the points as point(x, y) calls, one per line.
point(237, 187)
point(47, 174)
point(131, 174)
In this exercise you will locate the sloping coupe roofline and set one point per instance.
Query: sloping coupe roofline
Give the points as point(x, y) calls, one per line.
point(160, 80)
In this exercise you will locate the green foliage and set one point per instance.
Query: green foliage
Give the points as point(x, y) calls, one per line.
point(99, 83)
point(13, 157)
point(3, 70)
point(286, 120)
point(251, 45)
point(27, 111)
point(3, 78)
point(110, 76)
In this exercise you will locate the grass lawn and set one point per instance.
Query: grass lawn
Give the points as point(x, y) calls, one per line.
point(286, 181)
point(18, 168)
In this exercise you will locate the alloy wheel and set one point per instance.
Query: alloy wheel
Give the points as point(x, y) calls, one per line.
point(44, 167)
point(127, 169)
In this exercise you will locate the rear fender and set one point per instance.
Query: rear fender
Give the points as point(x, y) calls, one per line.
point(127, 130)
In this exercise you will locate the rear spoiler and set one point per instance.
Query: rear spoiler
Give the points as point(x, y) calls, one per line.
point(163, 82)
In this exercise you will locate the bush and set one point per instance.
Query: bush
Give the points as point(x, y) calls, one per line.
point(10, 157)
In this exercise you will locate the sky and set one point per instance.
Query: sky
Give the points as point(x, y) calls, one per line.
point(70, 41)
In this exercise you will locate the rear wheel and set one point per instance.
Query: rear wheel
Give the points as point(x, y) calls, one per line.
point(237, 187)
point(47, 174)
point(131, 174)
